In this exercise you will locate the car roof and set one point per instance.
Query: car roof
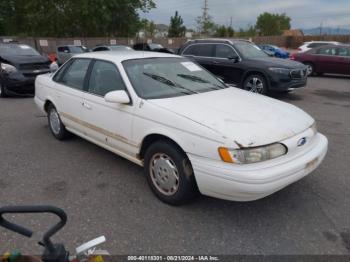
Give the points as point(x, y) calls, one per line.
point(120, 56)
point(218, 40)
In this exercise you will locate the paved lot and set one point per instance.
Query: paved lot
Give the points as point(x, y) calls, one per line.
point(105, 194)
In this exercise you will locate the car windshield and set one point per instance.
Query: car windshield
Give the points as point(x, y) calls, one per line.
point(154, 78)
point(156, 46)
point(249, 50)
point(17, 50)
point(120, 48)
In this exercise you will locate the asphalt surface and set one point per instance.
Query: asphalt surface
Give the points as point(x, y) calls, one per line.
point(104, 194)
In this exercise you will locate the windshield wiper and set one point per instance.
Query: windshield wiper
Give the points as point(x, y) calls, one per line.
point(169, 82)
point(200, 80)
point(194, 78)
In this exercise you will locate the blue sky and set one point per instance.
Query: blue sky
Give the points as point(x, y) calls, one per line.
point(304, 13)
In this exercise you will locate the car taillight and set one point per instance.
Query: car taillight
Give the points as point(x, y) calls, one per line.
point(299, 49)
point(292, 57)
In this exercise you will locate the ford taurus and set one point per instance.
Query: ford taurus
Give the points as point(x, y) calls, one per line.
point(189, 131)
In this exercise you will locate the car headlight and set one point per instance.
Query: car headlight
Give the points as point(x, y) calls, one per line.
point(8, 68)
point(282, 71)
point(252, 155)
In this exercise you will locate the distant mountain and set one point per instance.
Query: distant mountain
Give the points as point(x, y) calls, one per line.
point(327, 31)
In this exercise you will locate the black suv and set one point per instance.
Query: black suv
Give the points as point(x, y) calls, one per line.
point(19, 65)
point(242, 63)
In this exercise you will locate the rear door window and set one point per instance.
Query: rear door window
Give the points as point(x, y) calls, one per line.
point(74, 76)
point(327, 51)
point(203, 50)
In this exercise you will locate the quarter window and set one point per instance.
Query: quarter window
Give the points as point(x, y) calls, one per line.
point(343, 51)
point(105, 78)
point(74, 76)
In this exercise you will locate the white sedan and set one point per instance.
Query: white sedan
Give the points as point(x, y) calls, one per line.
point(189, 131)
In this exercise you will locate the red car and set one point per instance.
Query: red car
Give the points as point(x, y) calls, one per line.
point(333, 59)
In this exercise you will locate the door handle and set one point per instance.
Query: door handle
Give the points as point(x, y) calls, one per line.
point(216, 62)
point(86, 105)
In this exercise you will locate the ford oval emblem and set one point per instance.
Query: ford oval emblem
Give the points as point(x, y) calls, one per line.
point(302, 141)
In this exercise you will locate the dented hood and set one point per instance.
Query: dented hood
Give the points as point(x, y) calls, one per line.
point(246, 118)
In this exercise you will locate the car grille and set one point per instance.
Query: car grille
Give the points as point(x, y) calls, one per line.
point(298, 73)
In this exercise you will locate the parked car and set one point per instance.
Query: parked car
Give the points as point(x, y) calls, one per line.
point(111, 48)
point(186, 128)
point(64, 53)
point(242, 63)
point(273, 50)
point(19, 65)
point(333, 59)
point(306, 46)
point(153, 47)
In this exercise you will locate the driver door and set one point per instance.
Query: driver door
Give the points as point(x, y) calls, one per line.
point(108, 123)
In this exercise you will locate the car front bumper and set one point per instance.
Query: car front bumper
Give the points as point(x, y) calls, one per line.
point(251, 182)
point(285, 83)
point(18, 84)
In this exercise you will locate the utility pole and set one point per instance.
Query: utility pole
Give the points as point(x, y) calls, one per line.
point(231, 23)
point(321, 27)
point(205, 10)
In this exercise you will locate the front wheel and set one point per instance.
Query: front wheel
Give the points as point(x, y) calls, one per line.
point(56, 126)
point(310, 69)
point(169, 173)
point(255, 84)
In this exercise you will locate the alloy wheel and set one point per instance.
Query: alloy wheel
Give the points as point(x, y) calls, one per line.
point(255, 85)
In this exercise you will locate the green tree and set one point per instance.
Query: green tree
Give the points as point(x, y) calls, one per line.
point(64, 18)
point(205, 25)
point(272, 24)
point(176, 28)
point(223, 31)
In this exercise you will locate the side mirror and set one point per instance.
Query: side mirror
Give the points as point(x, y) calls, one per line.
point(234, 58)
point(119, 97)
point(54, 67)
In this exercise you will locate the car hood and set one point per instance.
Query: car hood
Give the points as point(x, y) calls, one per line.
point(244, 118)
point(277, 62)
point(17, 60)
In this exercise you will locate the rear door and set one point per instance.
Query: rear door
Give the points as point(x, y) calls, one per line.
point(344, 60)
point(69, 92)
point(108, 123)
point(202, 53)
point(327, 60)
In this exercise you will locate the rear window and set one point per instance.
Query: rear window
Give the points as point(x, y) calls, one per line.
point(17, 50)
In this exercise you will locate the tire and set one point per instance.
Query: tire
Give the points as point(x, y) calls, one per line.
point(169, 173)
point(56, 126)
point(2, 91)
point(310, 69)
point(255, 84)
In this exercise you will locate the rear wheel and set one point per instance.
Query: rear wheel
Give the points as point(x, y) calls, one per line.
point(2, 90)
point(56, 126)
point(255, 84)
point(169, 173)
